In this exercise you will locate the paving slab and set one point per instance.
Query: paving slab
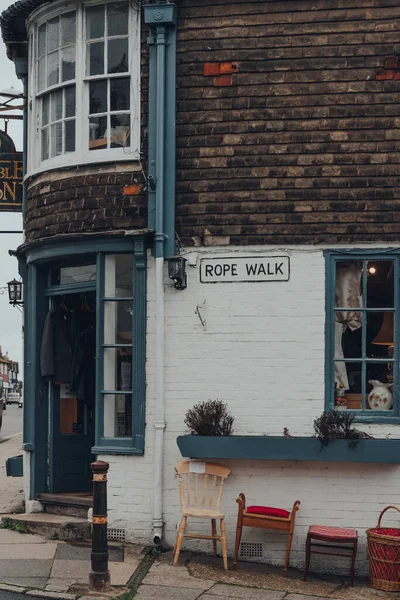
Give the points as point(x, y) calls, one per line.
point(75, 552)
point(120, 573)
point(58, 585)
point(150, 592)
point(24, 568)
point(32, 582)
point(23, 551)
point(167, 575)
point(74, 570)
point(43, 594)
point(7, 536)
point(244, 593)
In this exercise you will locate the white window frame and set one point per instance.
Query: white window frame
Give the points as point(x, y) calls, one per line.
point(82, 154)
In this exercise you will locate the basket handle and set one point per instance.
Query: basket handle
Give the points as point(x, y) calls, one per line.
point(384, 510)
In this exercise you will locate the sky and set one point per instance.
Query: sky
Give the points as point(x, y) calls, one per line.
point(10, 317)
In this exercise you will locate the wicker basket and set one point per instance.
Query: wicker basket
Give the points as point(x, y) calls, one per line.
point(384, 556)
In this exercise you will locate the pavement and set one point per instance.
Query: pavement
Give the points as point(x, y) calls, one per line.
point(37, 566)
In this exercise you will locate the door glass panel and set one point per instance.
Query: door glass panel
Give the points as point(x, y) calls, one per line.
point(117, 415)
point(115, 375)
point(118, 56)
point(118, 322)
point(117, 13)
point(118, 276)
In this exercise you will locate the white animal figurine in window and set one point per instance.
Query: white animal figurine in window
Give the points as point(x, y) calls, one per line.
point(380, 397)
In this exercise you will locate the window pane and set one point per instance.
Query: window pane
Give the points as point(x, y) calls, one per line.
point(68, 29)
point(98, 97)
point(53, 68)
point(42, 40)
point(56, 106)
point(380, 333)
point(42, 74)
point(70, 275)
point(95, 59)
point(70, 135)
point(118, 415)
point(53, 34)
point(45, 109)
point(120, 94)
point(118, 56)
point(45, 143)
point(97, 133)
point(95, 22)
point(117, 18)
point(70, 101)
point(120, 130)
point(118, 276)
point(118, 316)
point(68, 63)
point(56, 139)
point(348, 342)
point(347, 391)
point(380, 283)
point(349, 284)
point(115, 377)
point(379, 390)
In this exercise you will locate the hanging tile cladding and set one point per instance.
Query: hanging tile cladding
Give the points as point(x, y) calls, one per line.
point(304, 144)
point(94, 197)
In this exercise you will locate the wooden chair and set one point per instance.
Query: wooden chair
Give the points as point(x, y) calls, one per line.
point(265, 517)
point(200, 489)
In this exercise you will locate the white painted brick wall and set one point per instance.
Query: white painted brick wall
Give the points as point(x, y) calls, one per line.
point(262, 351)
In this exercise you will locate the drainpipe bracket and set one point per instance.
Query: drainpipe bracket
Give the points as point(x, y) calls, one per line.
point(160, 425)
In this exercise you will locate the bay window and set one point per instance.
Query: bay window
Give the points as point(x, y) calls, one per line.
point(84, 86)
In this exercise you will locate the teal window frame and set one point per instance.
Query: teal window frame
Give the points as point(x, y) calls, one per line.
point(332, 257)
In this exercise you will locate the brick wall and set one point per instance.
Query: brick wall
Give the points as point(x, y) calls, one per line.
point(251, 354)
point(96, 198)
point(288, 121)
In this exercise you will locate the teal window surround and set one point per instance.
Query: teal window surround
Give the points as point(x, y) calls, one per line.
point(371, 254)
point(76, 251)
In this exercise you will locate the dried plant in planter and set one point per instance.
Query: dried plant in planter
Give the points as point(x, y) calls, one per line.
point(337, 425)
point(209, 418)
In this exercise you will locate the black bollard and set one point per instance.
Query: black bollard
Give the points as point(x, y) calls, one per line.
point(99, 578)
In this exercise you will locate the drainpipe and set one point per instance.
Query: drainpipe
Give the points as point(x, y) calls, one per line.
point(159, 17)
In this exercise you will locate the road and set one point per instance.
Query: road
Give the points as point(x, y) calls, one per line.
point(12, 421)
point(11, 596)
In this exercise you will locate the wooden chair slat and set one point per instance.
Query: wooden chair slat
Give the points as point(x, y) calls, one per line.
point(203, 499)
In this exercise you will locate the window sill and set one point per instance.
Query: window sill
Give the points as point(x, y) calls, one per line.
point(283, 448)
point(116, 450)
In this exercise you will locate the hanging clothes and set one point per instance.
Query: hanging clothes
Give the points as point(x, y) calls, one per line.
point(56, 347)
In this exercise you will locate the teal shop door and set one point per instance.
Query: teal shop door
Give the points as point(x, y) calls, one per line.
point(72, 394)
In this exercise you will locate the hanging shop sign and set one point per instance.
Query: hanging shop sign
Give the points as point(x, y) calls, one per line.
point(11, 173)
point(244, 268)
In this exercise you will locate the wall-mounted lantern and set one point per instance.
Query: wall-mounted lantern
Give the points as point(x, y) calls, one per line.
point(15, 292)
point(177, 272)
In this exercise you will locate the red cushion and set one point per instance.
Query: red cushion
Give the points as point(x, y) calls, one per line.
point(268, 511)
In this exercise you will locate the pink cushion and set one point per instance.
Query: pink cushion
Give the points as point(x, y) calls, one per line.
point(268, 511)
point(333, 532)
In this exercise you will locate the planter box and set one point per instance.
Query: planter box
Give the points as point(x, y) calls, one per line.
point(283, 448)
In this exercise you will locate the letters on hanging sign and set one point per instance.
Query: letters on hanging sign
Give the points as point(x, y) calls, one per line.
point(11, 174)
point(244, 268)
